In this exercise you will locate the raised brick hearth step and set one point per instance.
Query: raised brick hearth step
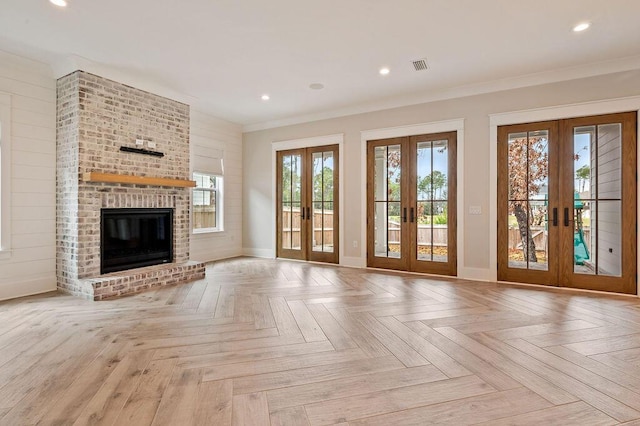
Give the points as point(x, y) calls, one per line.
point(137, 280)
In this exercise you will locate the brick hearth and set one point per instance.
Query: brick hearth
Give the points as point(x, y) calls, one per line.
point(96, 117)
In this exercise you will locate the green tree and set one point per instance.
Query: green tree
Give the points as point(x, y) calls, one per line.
point(290, 179)
point(583, 174)
point(393, 181)
point(433, 185)
point(323, 187)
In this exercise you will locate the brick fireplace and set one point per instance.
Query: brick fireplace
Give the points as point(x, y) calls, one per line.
point(95, 118)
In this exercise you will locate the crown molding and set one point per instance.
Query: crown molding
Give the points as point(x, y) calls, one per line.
point(143, 81)
point(536, 79)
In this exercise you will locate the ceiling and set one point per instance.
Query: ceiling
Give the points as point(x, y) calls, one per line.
point(222, 55)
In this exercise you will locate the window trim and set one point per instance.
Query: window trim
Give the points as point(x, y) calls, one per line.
point(5, 175)
point(219, 190)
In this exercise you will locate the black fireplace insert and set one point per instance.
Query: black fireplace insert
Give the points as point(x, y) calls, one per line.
point(133, 238)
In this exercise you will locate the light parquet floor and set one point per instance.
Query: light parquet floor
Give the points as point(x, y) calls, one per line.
point(262, 342)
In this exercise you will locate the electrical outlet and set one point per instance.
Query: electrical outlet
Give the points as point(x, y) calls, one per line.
point(355, 243)
point(139, 142)
point(475, 210)
point(151, 145)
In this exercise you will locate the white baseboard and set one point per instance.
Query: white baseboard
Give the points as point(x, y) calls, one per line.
point(475, 274)
point(353, 262)
point(30, 287)
point(218, 255)
point(256, 252)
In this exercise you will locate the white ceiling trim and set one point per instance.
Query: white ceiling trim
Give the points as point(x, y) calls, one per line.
point(308, 142)
point(564, 74)
point(413, 129)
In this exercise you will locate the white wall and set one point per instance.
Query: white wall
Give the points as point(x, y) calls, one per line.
point(210, 132)
point(259, 220)
point(30, 266)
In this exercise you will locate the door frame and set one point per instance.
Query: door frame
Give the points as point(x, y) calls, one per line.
point(334, 139)
point(550, 275)
point(609, 106)
point(455, 125)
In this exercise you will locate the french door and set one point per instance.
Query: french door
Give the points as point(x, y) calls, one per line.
point(567, 203)
point(307, 204)
point(411, 203)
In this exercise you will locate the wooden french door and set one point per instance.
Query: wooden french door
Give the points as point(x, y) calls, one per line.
point(307, 204)
point(411, 203)
point(567, 203)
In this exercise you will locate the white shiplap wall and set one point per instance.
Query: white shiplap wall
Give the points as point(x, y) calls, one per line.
point(30, 268)
point(210, 132)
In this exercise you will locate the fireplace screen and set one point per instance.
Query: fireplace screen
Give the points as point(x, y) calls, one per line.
point(133, 238)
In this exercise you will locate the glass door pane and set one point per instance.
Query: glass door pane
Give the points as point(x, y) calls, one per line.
point(291, 204)
point(387, 201)
point(322, 201)
point(431, 201)
point(528, 191)
point(597, 206)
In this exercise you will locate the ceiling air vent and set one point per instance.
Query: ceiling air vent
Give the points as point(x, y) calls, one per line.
point(420, 65)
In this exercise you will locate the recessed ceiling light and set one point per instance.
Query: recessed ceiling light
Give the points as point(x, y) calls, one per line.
point(316, 86)
point(61, 3)
point(384, 71)
point(581, 27)
point(265, 97)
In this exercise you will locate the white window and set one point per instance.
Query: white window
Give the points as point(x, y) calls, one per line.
point(5, 175)
point(207, 209)
point(207, 203)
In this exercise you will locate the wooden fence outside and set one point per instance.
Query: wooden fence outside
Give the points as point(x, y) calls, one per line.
point(440, 234)
point(204, 217)
point(291, 228)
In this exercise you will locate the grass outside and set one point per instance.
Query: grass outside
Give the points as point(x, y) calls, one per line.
point(437, 250)
point(518, 255)
point(514, 254)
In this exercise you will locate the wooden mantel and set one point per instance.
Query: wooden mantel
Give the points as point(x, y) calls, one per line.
point(137, 180)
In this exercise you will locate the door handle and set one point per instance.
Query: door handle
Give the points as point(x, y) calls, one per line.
point(404, 214)
point(412, 216)
point(555, 216)
point(302, 213)
point(308, 213)
point(566, 216)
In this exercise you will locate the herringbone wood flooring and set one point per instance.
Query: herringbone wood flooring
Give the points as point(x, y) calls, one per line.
point(263, 342)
